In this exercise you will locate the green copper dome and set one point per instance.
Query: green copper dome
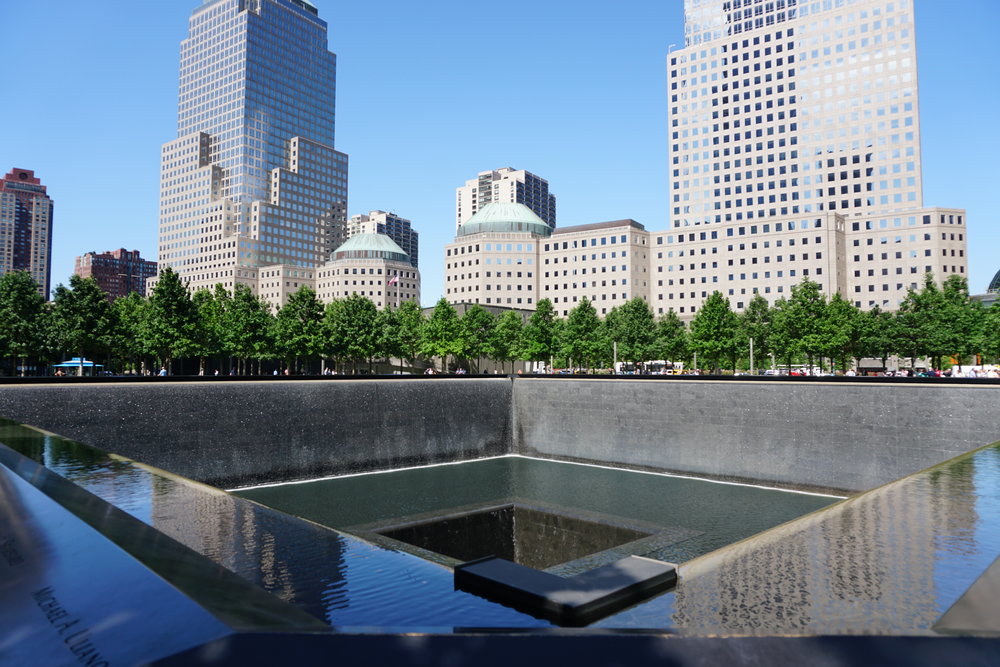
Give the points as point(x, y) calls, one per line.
point(994, 284)
point(370, 246)
point(504, 217)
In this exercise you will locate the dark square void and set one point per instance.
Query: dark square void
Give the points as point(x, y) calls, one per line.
point(525, 535)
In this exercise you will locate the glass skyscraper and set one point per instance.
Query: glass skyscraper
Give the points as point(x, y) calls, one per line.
point(253, 178)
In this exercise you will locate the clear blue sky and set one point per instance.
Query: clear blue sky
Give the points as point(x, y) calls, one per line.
point(429, 94)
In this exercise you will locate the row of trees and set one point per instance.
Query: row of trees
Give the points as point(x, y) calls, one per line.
point(933, 323)
point(218, 329)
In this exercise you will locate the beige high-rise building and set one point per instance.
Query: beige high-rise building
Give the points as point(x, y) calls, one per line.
point(795, 152)
point(505, 185)
point(607, 262)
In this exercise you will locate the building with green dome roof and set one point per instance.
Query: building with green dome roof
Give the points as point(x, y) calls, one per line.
point(505, 217)
point(372, 265)
point(494, 257)
point(505, 255)
point(989, 297)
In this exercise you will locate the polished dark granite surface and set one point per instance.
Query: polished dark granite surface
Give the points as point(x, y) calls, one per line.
point(67, 593)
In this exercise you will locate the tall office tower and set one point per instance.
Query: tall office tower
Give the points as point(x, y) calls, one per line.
point(795, 152)
point(117, 272)
point(252, 179)
point(398, 229)
point(26, 227)
point(505, 185)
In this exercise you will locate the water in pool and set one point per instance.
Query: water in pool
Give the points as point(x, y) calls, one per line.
point(661, 516)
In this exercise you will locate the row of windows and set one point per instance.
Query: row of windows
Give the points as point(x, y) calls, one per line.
point(583, 285)
point(493, 247)
point(766, 228)
point(582, 243)
point(490, 288)
point(604, 269)
point(583, 258)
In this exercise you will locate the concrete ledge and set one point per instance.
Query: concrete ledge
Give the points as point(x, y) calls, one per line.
point(567, 601)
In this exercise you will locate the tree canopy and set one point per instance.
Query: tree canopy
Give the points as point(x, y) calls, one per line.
point(939, 322)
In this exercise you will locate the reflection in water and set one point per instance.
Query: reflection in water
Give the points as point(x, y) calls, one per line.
point(285, 558)
point(338, 579)
point(888, 561)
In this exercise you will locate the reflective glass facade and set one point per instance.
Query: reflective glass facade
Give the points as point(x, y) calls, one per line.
point(253, 178)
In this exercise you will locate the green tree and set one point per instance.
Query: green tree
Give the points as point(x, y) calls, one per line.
point(840, 328)
point(21, 317)
point(991, 331)
point(81, 318)
point(410, 322)
point(864, 336)
point(921, 329)
point(388, 343)
point(713, 330)
point(298, 328)
point(633, 327)
point(504, 343)
point(352, 326)
point(211, 309)
point(672, 338)
point(249, 328)
point(807, 309)
point(882, 333)
point(781, 339)
point(172, 325)
point(476, 330)
point(961, 317)
point(755, 325)
point(583, 336)
point(129, 339)
point(441, 334)
point(539, 337)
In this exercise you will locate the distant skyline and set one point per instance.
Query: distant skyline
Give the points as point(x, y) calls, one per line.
point(428, 95)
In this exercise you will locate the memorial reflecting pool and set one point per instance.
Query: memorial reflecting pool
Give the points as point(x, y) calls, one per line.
point(595, 514)
point(889, 561)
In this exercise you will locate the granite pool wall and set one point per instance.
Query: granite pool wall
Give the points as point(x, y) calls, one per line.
point(847, 436)
point(238, 433)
